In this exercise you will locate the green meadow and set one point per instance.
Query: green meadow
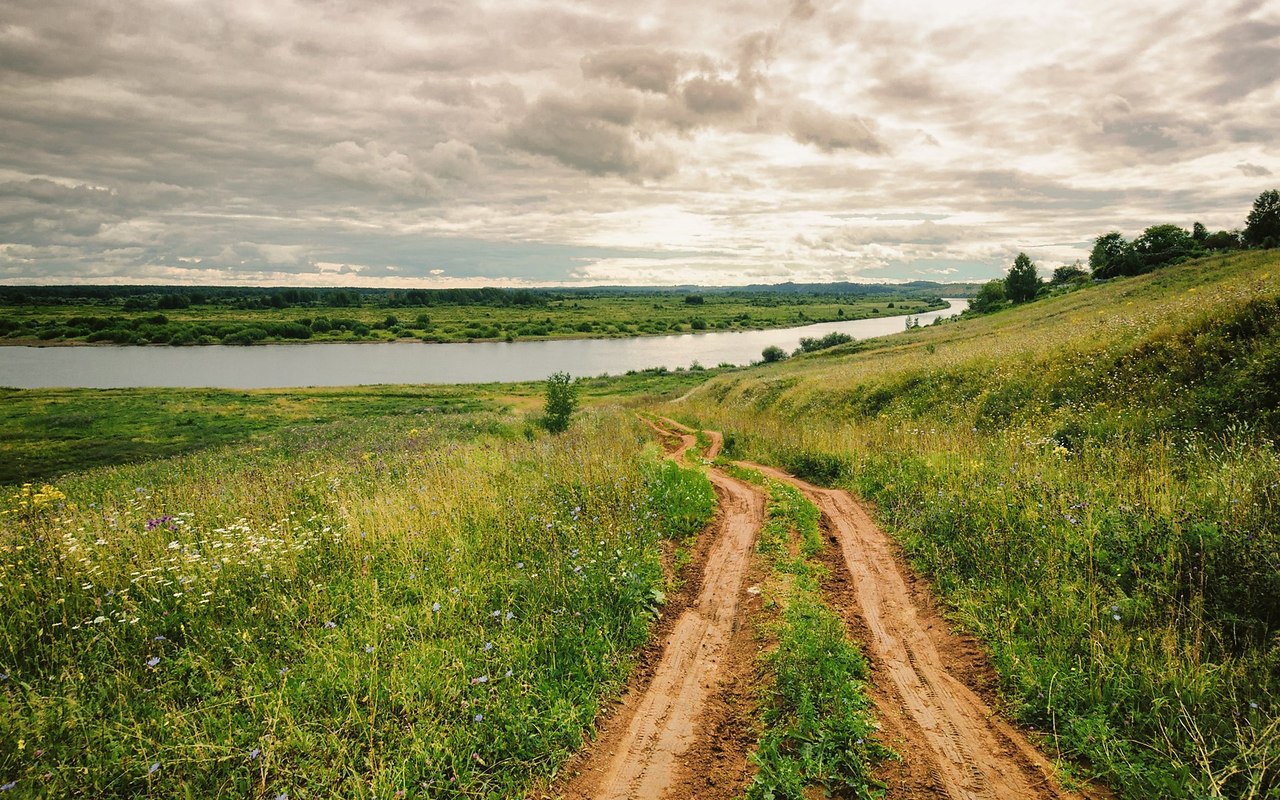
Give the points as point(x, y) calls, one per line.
point(1092, 484)
point(243, 317)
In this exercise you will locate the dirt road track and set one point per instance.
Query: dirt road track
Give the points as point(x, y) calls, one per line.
point(933, 718)
point(686, 725)
point(644, 749)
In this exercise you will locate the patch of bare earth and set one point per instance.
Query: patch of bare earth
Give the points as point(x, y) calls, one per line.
point(927, 682)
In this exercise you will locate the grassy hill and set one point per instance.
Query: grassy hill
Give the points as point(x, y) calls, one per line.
point(1093, 484)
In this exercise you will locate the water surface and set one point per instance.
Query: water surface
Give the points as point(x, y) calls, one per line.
point(340, 364)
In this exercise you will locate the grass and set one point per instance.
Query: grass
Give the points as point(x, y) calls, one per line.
point(1091, 483)
point(577, 315)
point(47, 432)
point(819, 732)
point(424, 604)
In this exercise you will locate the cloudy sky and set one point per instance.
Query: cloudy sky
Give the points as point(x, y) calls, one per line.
point(508, 142)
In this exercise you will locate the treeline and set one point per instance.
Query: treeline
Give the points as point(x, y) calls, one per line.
point(1113, 256)
point(164, 298)
point(159, 329)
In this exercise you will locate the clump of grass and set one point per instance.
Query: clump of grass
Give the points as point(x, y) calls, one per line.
point(819, 730)
point(428, 605)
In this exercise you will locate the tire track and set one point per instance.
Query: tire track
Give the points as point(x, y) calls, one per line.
point(639, 753)
point(971, 753)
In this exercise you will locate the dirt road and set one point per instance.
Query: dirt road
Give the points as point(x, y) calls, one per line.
point(643, 749)
point(951, 741)
point(684, 728)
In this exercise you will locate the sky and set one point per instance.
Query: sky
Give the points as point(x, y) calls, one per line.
point(589, 142)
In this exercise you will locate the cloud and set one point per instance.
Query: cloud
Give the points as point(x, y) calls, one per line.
point(261, 142)
point(366, 165)
point(1247, 54)
point(829, 132)
point(637, 67)
point(594, 135)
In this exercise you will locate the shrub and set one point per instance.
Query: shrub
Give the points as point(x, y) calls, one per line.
point(561, 400)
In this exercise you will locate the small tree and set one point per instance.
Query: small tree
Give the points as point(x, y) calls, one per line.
point(1069, 273)
point(1022, 282)
point(562, 399)
point(1263, 221)
point(1111, 256)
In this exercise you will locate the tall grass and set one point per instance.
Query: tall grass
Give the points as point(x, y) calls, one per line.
point(1094, 487)
point(426, 606)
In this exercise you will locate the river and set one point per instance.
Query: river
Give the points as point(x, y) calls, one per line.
point(292, 365)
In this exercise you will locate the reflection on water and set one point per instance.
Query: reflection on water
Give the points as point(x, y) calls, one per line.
point(267, 366)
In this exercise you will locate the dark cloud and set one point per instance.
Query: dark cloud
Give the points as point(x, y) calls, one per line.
point(708, 97)
point(1253, 170)
point(637, 67)
point(1247, 59)
point(830, 132)
point(592, 135)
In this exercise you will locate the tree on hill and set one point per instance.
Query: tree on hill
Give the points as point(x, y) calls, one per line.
point(1163, 244)
point(1111, 256)
point(990, 297)
point(1068, 273)
point(1263, 222)
point(1223, 240)
point(1022, 282)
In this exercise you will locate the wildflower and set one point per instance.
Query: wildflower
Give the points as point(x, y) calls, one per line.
point(488, 646)
point(284, 670)
point(152, 769)
point(435, 606)
point(495, 613)
point(151, 662)
point(509, 673)
point(330, 625)
point(282, 796)
point(519, 565)
point(159, 638)
point(8, 786)
point(481, 679)
point(368, 648)
point(479, 717)
point(510, 616)
point(1116, 617)
point(254, 753)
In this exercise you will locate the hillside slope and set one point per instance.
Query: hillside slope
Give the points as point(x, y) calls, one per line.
point(1092, 483)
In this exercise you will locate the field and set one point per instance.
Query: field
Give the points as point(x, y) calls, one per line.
point(1091, 483)
point(420, 592)
point(491, 316)
point(429, 602)
point(46, 432)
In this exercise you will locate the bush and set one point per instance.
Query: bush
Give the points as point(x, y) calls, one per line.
point(772, 354)
point(835, 338)
point(561, 400)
